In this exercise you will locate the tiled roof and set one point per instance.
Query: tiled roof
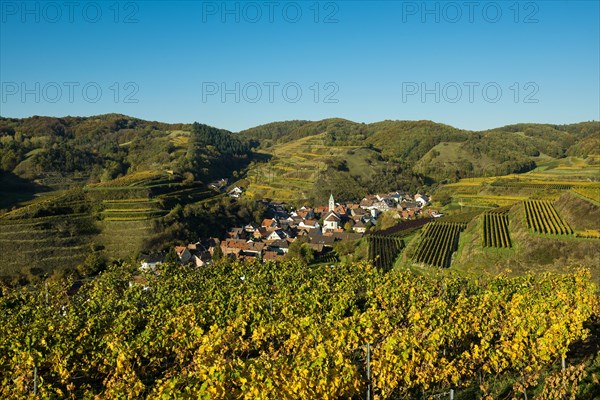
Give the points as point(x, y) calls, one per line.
point(332, 217)
point(267, 222)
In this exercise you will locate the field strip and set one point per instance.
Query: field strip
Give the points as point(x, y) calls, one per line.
point(51, 239)
point(490, 197)
point(40, 220)
point(131, 201)
point(54, 248)
point(129, 210)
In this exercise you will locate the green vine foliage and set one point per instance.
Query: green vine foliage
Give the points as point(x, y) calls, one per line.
point(285, 330)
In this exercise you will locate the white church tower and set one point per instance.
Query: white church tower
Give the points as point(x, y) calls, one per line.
point(331, 203)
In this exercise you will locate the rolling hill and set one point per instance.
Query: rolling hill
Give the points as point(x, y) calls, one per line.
point(101, 186)
point(112, 185)
point(112, 220)
point(311, 159)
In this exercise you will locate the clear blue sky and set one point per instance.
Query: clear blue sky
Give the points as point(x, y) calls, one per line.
point(373, 58)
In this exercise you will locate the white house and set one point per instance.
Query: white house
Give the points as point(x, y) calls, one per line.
point(421, 199)
point(149, 263)
point(309, 224)
point(360, 227)
point(279, 246)
point(236, 192)
point(251, 227)
point(331, 222)
point(277, 234)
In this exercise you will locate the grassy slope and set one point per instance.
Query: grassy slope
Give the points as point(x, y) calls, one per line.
point(453, 153)
point(581, 214)
point(116, 217)
point(295, 167)
point(530, 251)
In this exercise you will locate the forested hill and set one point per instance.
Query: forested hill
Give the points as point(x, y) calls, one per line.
point(440, 152)
point(104, 147)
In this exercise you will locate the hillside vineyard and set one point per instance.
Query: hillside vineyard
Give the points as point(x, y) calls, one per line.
point(298, 259)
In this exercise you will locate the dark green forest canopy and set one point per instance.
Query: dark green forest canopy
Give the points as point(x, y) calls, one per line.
point(104, 147)
point(411, 140)
point(410, 154)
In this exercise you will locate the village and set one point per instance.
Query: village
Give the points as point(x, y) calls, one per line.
point(320, 227)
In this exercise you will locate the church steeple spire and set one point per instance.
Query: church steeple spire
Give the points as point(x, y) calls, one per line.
point(331, 203)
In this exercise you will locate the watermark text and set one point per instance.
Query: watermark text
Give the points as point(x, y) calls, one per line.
point(469, 11)
point(271, 92)
point(269, 11)
point(471, 92)
point(70, 92)
point(69, 11)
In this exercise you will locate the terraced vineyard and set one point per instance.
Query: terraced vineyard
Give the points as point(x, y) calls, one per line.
point(61, 228)
point(130, 210)
point(438, 241)
point(294, 167)
point(122, 238)
point(495, 229)
point(485, 201)
point(384, 249)
point(131, 204)
point(144, 195)
point(589, 193)
point(537, 184)
point(533, 185)
point(137, 179)
point(292, 172)
point(541, 217)
point(37, 245)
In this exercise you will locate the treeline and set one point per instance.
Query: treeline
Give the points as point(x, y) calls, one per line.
point(104, 147)
point(509, 149)
point(212, 151)
point(209, 218)
point(270, 133)
point(382, 177)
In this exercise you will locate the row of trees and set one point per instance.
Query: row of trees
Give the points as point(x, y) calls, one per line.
point(214, 153)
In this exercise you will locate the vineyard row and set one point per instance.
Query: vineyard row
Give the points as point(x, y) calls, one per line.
point(495, 230)
point(384, 249)
point(439, 241)
point(542, 218)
